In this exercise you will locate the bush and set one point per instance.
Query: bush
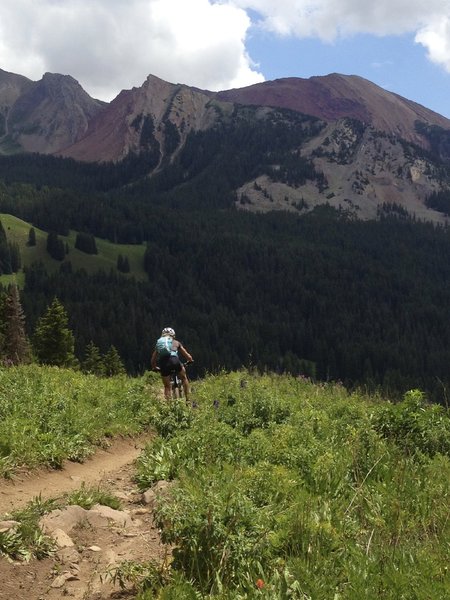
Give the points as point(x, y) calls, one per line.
point(219, 534)
point(415, 425)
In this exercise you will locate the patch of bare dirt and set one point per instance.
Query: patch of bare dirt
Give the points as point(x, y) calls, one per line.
point(91, 546)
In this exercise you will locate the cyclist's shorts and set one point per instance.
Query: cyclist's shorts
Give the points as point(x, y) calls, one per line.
point(169, 365)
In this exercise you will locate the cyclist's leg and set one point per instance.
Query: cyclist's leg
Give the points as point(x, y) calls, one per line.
point(167, 381)
point(185, 381)
point(179, 385)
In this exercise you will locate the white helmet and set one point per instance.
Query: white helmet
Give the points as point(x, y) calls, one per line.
point(168, 331)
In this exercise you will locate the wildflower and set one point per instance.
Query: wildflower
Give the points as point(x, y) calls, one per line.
point(259, 584)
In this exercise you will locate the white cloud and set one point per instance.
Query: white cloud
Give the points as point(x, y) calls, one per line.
point(436, 38)
point(328, 19)
point(109, 45)
point(331, 19)
point(113, 44)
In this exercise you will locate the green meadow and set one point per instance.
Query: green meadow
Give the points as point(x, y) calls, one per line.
point(280, 487)
point(17, 231)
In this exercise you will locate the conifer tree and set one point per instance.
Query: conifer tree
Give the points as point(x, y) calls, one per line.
point(31, 237)
point(86, 243)
point(5, 252)
point(53, 341)
point(123, 264)
point(3, 324)
point(93, 362)
point(112, 362)
point(14, 252)
point(16, 345)
point(55, 246)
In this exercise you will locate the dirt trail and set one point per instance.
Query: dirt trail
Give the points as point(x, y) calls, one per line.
point(50, 484)
point(80, 571)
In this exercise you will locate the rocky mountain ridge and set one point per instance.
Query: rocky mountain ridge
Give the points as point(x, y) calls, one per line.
point(336, 96)
point(372, 147)
point(43, 116)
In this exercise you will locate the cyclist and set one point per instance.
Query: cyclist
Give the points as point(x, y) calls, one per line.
point(166, 359)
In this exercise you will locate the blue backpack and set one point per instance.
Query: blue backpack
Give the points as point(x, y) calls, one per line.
point(163, 347)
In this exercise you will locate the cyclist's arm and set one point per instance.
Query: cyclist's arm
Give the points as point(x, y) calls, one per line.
point(153, 360)
point(185, 353)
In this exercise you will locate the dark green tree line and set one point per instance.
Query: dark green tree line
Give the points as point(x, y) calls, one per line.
point(363, 302)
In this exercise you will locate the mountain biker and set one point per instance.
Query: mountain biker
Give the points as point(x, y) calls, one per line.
point(165, 358)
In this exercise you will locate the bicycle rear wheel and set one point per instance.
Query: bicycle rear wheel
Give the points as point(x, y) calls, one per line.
point(177, 387)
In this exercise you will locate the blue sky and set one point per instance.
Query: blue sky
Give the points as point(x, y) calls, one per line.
point(110, 45)
point(395, 63)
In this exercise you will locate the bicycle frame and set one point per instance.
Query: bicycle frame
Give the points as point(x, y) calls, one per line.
point(176, 383)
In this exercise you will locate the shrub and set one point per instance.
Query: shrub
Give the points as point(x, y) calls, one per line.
point(218, 533)
point(414, 425)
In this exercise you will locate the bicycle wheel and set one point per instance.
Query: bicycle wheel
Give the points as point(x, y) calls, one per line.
point(177, 387)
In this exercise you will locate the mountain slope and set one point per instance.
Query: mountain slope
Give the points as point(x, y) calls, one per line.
point(156, 116)
point(335, 96)
point(117, 130)
point(373, 147)
point(364, 171)
point(367, 147)
point(46, 115)
point(11, 88)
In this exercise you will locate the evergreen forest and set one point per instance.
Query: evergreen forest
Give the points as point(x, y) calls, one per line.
point(317, 293)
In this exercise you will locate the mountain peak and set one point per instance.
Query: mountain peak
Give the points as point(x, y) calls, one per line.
point(345, 127)
point(46, 115)
point(336, 96)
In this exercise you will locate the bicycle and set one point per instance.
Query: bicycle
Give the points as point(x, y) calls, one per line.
point(176, 383)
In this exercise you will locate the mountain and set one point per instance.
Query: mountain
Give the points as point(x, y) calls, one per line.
point(43, 116)
point(353, 290)
point(333, 97)
point(368, 150)
point(140, 118)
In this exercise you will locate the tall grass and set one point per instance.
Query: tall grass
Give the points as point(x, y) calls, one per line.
point(48, 414)
point(282, 488)
point(287, 489)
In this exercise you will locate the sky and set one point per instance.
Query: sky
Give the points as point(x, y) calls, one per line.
point(110, 45)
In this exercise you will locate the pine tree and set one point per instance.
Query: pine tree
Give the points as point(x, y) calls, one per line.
point(16, 345)
point(123, 264)
point(14, 252)
point(112, 362)
point(53, 342)
point(5, 252)
point(93, 362)
point(55, 246)
point(86, 243)
point(3, 324)
point(31, 237)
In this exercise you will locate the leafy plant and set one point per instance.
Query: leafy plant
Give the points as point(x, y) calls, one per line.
point(414, 425)
point(27, 541)
point(219, 534)
point(148, 576)
point(157, 462)
point(170, 417)
point(87, 497)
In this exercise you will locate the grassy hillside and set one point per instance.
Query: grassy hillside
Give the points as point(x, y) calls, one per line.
point(281, 488)
point(106, 259)
point(285, 489)
point(48, 414)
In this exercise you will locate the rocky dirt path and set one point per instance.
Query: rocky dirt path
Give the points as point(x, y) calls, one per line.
point(96, 544)
point(50, 483)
